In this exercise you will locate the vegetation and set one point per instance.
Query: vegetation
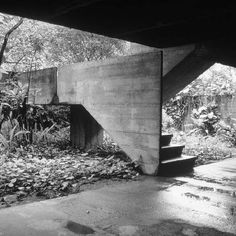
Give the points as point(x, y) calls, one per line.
point(36, 160)
point(36, 45)
point(48, 171)
point(218, 80)
point(29, 45)
point(207, 148)
point(209, 137)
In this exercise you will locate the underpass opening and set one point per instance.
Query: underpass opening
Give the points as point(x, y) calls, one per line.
point(200, 120)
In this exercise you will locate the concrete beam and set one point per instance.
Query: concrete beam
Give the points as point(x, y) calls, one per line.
point(178, 66)
point(124, 96)
point(173, 56)
point(195, 63)
point(187, 70)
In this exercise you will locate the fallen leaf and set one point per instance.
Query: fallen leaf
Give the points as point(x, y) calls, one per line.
point(11, 185)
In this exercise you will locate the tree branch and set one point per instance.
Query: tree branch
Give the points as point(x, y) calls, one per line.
point(7, 37)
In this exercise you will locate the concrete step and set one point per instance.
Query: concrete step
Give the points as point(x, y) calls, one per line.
point(170, 152)
point(166, 139)
point(178, 165)
point(179, 159)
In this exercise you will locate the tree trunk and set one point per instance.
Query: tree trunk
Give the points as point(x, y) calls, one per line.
point(7, 35)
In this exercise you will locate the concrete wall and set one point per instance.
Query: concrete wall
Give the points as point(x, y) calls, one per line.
point(171, 56)
point(123, 95)
point(43, 85)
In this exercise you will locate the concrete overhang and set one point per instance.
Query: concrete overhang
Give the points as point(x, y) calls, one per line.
point(154, 23)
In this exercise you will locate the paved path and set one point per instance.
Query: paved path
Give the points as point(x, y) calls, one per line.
point(223, 172)
point(201, 204)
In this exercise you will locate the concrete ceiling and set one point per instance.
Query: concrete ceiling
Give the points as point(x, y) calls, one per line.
point(158, 23)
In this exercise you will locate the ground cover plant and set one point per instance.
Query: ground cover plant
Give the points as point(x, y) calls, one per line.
point(49, 171)
point(37, 161)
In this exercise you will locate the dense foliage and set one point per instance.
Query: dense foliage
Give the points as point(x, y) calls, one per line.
point(30, 45)
point(208, 137)
point(36, 45)
point(218, 80)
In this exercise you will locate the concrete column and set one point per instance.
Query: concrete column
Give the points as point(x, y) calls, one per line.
point(85, 132)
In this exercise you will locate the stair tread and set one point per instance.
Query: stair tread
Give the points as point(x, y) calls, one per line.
point(180, 158)
point(166, 134)
point(173, 146)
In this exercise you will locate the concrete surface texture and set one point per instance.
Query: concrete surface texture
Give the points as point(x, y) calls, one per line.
point(201, 204)
point(123, 95)
point(187, 70)
point(42, 85)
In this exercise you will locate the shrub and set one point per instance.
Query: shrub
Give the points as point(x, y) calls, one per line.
point(167, 121)
point(177, 108)
point(226, 132)
point(12, 136)
point(35, 121)
point(54, 134)
point(205, 119)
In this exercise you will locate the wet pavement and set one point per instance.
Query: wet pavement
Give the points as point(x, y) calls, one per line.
point(202, 203)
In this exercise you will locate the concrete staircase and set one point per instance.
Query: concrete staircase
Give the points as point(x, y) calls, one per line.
point(172, 161)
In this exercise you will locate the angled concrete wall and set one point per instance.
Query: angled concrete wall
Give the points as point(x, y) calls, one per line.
point(184, 72)
point(124, 96)
point(181, 65)
point(171, 56)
